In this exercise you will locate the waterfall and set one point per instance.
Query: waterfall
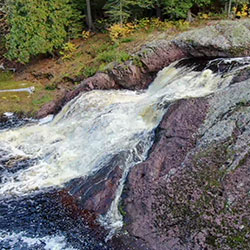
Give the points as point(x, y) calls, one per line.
point(95, 126)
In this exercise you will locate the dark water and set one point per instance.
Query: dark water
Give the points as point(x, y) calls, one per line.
point(13, 121)
point(217, 65)
point(43, 220)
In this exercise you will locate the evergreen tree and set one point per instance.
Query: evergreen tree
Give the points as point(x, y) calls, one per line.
point(39, 27)
point(117, 10)
point(181, 8)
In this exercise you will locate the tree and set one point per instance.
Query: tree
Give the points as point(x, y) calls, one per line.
point(4, 27)
point(39, 27)
point(118, 10)
point(122, 10)
point(181, 8)
point(89, 15)
point(152, 4)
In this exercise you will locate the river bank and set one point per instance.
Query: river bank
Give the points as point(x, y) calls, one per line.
point(54, 76)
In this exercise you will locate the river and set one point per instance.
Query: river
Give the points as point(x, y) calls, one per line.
point(37, 160)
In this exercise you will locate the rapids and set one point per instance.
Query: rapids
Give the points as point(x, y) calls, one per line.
point(85, 135)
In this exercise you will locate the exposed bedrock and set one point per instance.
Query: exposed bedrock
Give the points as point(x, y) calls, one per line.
point(193, 190)
point(221, 39)
point(96, 192)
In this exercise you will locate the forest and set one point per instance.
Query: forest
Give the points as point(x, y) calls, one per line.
point(33, 27)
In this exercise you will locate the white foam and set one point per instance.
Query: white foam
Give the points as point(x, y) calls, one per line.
point(55, 242)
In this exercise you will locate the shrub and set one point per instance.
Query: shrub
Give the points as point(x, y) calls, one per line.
point(102, 25)
point(107, 56)
point(118, 31)
point(86, 34)
point(153, 24)
point(67, 50)
point(113, 55)
point(182, 25)
point(89, 71)
point(143, 23)
point(243, 12)
point(123, 56)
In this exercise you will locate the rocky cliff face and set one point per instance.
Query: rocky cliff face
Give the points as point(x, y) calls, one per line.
point(223, 39)
point(193, 191)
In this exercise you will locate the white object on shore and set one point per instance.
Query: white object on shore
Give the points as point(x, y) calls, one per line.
point(8, 114)
point(2, 67)
point(30, 90)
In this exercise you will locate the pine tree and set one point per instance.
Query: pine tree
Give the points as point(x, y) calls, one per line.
point(39, 27)
point(119, 10)
point(181, 8)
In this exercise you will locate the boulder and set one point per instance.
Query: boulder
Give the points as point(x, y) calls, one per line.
point(223, 39)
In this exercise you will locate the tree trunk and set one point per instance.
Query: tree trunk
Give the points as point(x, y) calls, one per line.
point(229, 8)
point(189, 16)
point(89, 15)
point(121, 17)
point(226, 7)
point(158, 11)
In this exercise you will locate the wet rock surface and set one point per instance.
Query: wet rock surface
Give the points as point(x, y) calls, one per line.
point(96, 192)
point(10, 120)
point(193, 191)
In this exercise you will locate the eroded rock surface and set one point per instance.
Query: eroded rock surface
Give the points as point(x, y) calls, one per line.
point(224, 39)
point(193, 191)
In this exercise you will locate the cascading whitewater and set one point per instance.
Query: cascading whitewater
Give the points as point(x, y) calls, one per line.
point(95, 126)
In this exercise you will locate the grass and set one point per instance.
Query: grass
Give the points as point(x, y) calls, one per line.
point(4, 77)
point(23, 101)
point(89, 71)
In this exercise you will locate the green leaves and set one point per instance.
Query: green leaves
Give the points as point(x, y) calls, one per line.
point(180, 8)
point(120, 10)
point(39, 27)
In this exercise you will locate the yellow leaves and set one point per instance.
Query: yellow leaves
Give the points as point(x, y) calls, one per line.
point(86, 34)
point(68, 50)
point(144, 23)
point(118, 31)
point(204, 16)
point(243, 12)
point(182, 25)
